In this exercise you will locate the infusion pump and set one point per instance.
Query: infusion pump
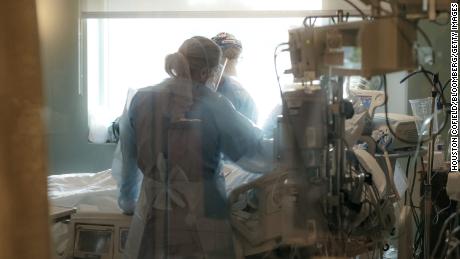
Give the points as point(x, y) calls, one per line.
point(98, 235)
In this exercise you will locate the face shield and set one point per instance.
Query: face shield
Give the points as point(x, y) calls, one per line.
point(214, 80)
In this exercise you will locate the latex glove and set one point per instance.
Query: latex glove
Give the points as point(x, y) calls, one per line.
point(127, 205)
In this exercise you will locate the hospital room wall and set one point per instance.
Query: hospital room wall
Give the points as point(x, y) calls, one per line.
point(65, 112)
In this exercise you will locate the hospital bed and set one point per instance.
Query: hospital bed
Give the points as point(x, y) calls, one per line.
point(90, 224)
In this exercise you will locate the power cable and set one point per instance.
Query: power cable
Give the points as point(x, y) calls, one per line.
point(441, 233)
point(356, 8)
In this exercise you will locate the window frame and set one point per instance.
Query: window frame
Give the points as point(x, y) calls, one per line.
point(83, 33)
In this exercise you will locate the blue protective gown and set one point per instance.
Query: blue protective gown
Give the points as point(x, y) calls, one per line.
point(239, 97)
point(144, 131)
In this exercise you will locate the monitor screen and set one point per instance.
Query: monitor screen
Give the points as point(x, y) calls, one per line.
point(94, 241)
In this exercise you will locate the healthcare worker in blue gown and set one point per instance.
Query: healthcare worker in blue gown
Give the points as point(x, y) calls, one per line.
point(175, 133)
point(229, 86)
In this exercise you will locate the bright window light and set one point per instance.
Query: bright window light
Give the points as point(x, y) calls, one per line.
point(128, 53)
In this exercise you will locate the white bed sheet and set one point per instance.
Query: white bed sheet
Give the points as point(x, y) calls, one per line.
point(98, 192)
point(88, 192)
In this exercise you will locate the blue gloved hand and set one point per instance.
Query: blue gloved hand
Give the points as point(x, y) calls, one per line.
point(127, 205)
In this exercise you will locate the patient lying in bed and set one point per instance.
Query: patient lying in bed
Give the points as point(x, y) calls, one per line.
point(98, 192)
